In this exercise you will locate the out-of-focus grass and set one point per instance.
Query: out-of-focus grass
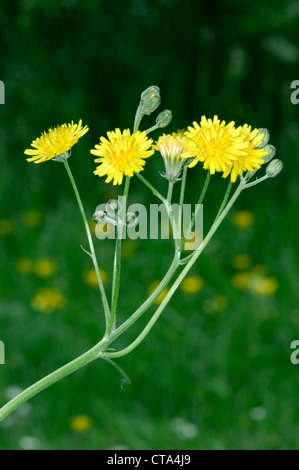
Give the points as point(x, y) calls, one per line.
point(225, 369)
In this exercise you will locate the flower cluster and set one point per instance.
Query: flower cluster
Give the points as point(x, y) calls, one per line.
point(219, 146)
point(224, 148)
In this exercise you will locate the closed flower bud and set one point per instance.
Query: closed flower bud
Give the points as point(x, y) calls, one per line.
point(150, 100)
point(131, 219)
point(113, 208)
point(99, 217)
point(266, 137)
point(274, 168)
point(164, 118)
point(271, 153)
point(150, 91)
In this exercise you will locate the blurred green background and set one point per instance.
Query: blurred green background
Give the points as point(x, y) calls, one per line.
point(215, 372)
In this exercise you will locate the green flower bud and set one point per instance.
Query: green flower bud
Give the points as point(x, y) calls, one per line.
point(113, 208)
point(271, 153)
point(274, 168)
point(150, 100)
point(150, 91)
point(266, 137)
point(164, 118)
point(99, 217)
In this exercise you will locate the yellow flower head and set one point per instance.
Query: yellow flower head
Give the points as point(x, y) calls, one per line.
point(122, 154)
point(171, 147)
point(46, 300)
point(223, 147)
point(55, 142)
point(81, 423)
point(251, 158)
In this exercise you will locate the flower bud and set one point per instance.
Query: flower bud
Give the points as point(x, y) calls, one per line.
point(274, 168)
point(150, 100)
point(151, 90)
point(131, 219)
point(113, 208)
point(164, 118)
point(271, 153)
point(265, 139)
point(99, 217)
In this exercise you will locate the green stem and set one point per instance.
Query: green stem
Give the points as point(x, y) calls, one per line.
point(138, 117)
point(55, 376)
point(151, 129)
point(92, 250)
point(226, 196)
point(149, 301)
point(117, 259)
point(183, 186)
point(151, 187)
point(179, 279)
point(200, 200)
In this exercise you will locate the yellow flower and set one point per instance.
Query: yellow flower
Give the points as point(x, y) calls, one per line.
point(122, 154)
point(217, 304)
point(45, 268)
point(25, 265)
point(46, 300)
point(241, 280)
point(32, 219)
point(241, 261)
point(242, 219)
point(171, 147)
point(6, 227)
point(55, 142)
point(81, 423)
point(90, 277)
point(192, 284)
point(223, 147)
point(251, 158)
point(153, 285)
point(267, 286)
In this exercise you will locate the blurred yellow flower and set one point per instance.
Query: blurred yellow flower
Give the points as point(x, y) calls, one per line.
point(127, 249)
point(217, 304)
point(192, 284)
point(242, 219)
point(153, 285)
point(241, 261)
point(25, 265)
point(90, 277)
point(240, 280)
point(45, 268)
point(267, 286)
point(46, 300)
point(57, 141)
point(32, 219)
point(81, 423)
point(6, 227)
point(255, 282)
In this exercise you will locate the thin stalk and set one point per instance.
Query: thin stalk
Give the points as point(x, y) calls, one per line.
point(226, 196)
point(151, 187)
point(54, 377)
point(149, 301)
point(117, 260)
point(200, 200)
point(183, 186)
point(179, 279)
point(92, 250)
